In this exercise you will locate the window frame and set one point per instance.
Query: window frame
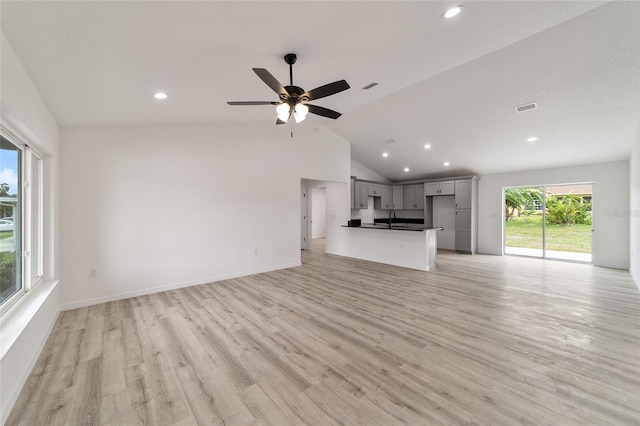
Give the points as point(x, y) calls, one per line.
point(28, 152)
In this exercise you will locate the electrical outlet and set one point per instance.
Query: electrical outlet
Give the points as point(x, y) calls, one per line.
point(93, 273)
point(255, 252)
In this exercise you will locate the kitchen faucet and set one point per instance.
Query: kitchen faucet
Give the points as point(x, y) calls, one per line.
point(391, 212)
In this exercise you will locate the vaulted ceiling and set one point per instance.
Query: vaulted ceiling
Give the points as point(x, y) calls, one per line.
point(452, 84)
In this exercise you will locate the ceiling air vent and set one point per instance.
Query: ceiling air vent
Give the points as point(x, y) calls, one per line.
point(526, 107)
point(369, 86)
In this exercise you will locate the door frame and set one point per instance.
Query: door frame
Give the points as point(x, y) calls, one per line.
point(304, 222)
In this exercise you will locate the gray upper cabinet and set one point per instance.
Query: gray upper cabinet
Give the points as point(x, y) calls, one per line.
point(463, 194)
point(413, 197)
point(420, 196)
point(375, 190)
point(381, 193)
point(386, 197)
point(439, 188)
point(353, 193)
point(361, 194)
point(398, 197)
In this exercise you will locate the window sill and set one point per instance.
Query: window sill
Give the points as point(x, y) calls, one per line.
point(14, 322)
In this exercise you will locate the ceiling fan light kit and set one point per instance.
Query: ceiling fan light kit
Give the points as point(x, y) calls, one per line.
point(293, 99)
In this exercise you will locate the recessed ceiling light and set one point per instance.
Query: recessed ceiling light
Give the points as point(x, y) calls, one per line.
point(406, 169)
point(160, 95)
point(452, 11)
point(446, 164)
point(427, 146)
point(532, 139)
point(385, 154)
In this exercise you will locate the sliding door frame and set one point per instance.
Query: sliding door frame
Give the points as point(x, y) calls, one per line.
point(544, 215)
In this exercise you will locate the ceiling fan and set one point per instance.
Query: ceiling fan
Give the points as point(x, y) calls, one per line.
point(293, 99)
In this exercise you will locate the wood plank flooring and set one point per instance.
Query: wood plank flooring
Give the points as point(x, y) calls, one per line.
point(479, 340)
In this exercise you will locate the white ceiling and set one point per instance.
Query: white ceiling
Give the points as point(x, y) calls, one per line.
point(450, 83)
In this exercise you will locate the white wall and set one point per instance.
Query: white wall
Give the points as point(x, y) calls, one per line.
point(634, 216)
point(26, 328)
point(318, 213)
point(610, 207)
point(365, 173)
point(153, 208)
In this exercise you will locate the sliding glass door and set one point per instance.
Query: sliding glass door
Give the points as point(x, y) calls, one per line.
point(552, 221)
point(569, 222)
point(524, 221)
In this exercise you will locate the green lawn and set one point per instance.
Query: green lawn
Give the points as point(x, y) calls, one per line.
point(6, 234)
point(526, 231)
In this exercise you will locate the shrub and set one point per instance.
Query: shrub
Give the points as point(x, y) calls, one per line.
point(568, 210)
point(7, 270)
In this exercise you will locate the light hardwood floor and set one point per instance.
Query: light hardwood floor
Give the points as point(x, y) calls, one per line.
point(478, 340)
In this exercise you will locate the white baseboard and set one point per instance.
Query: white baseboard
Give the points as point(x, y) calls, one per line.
point(635, 278)
point(160, 289)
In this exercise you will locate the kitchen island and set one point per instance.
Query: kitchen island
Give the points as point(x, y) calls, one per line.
point(407, 245)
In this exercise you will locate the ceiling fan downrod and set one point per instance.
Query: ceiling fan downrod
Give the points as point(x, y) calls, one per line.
point(290, 58)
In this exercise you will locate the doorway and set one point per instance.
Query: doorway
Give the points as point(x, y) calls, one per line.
point(549, 221)
point(318, 213)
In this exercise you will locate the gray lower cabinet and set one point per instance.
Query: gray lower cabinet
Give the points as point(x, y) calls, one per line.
point(463, 231)
point(413, 197)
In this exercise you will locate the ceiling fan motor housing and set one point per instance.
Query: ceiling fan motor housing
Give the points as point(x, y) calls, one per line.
point(295, 95)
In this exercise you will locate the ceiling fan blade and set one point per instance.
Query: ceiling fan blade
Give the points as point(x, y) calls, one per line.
point(271, 81)
point(253, 103)
point(325, 112)
point(326, 90)
point(278, 121)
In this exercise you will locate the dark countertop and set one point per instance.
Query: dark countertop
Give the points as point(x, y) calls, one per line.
point(396, 227)
point(400, 220)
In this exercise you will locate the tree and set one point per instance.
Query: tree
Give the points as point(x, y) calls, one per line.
point(520, 199)
point(4, 189)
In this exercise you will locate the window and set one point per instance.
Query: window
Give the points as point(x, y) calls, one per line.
point(10, 227)
point(21, 174)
